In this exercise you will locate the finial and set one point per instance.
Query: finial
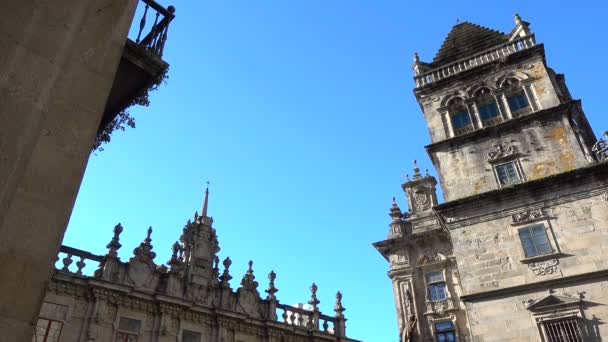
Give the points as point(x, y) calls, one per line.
point(426, 172)
point(416, 57)
point(206, 201)
point(114, 244)
point(517, 19)
point(271, 288)
point(148, 237)
point(248, 280)
point(225, 278)
point(175, 262)
point(416, 171)
point(313, 298)
point(407, 177)
point(394, 201)
point(457, 21)
point(144, 251)
point(338, 308)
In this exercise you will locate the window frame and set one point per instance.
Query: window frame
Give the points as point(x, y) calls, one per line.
point(516, 168)
point(181, 335)
point(124, 334)
point(529, 229)
point(515, 98)
point(457, 109)
point(47, 330)
point(436, 284)
point(445, 332)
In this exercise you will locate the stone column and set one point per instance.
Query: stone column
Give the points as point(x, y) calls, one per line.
point(57, 66)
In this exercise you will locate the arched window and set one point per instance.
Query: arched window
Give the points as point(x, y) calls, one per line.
point(488, 109)
point(459, 116)
point(516, 97)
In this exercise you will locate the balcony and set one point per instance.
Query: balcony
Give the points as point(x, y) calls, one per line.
point(141, 66)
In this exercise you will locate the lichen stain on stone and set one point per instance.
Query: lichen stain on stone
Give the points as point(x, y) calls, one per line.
point(566, 160)
point(544, 169)
point(559, 134)
point(480, 185)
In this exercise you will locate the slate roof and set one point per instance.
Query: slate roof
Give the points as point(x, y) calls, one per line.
point(466, 39)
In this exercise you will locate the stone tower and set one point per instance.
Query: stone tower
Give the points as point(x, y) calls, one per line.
point(523, 229)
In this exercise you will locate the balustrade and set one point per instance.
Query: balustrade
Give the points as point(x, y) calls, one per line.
point(69, 253)
point(307, 319)
point(481, 58)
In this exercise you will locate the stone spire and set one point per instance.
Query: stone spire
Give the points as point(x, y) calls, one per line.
point(205, 201)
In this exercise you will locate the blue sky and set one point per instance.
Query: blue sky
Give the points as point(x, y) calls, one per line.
point(301, 114)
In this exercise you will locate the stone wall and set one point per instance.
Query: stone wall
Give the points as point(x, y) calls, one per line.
point(57, 65)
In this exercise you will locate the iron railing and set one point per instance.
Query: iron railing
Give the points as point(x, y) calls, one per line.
point(154, 40)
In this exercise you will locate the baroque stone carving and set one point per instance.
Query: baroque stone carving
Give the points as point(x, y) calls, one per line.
point(600, 149)
point(501, 151)
point(545, 267)
point(527, 216)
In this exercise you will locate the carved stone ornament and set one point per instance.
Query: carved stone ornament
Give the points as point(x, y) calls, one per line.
point(600, 148)
point(500, 152)
point(528, 216)
point(605, 197)
point(421, 198)
point(545, 267)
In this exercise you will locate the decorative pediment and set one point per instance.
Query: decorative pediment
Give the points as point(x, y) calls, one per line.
point(553, 302)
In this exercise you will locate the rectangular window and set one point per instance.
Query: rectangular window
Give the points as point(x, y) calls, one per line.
point(507, 174)
point(460, 120)
point(47, 330)
point(488, 111)
point(128, 330)
point(534, 241)
point(190, 336)
point(445, 332)
point(562, 330)
point(436, 286)
point(125, 337)
point(517, 102)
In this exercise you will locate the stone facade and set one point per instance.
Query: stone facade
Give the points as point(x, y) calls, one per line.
point(190, 299)
point(517, 250)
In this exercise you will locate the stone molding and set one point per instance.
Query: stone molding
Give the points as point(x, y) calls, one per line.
point(543, 284)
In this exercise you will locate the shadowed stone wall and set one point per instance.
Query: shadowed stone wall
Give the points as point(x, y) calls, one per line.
point(57, 65)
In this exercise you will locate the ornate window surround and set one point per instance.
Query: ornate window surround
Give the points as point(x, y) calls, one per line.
point(450, 318)
point(499, 91)
point(544, 264)
point(553, 308)
point(438, 263)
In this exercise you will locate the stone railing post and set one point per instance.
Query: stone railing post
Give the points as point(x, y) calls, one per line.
point(272, 300)
point(340, 322)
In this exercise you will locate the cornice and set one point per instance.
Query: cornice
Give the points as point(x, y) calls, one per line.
point(540, 285)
